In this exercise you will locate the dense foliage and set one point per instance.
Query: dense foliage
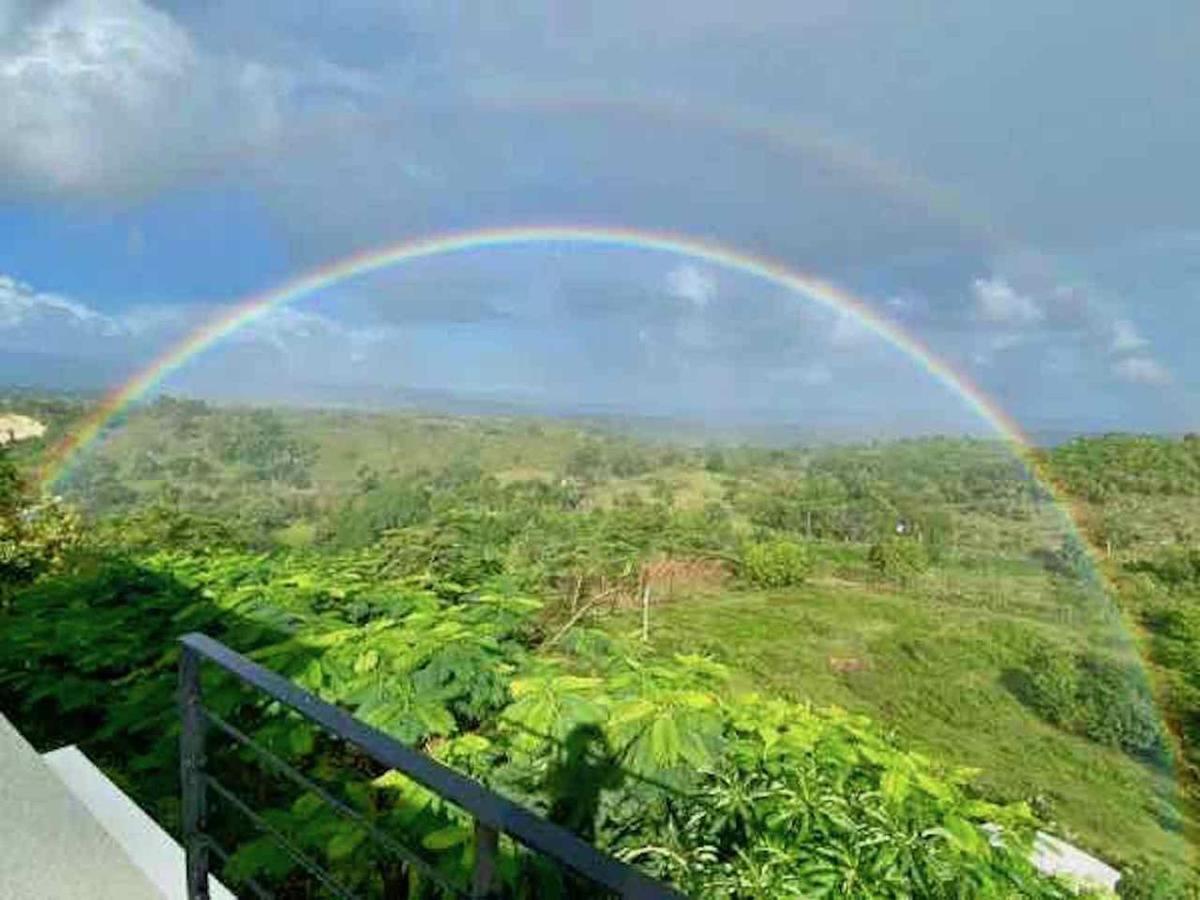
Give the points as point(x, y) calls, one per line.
point(460, 585)
point(725, 795)
point(35, 534)
point(1104, 700)
point(1099, 469)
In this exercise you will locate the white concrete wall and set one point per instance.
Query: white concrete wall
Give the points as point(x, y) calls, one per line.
point(148, 847)
point(50, 846)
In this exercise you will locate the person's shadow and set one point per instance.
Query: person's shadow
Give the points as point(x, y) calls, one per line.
point(583, 769)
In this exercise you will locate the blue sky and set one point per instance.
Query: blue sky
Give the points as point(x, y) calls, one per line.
point(1014, 183)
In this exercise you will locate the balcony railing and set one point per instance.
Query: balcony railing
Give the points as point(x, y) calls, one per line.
point(493, 814)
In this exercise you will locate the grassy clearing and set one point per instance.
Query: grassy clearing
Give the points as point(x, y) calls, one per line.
point(931, 661)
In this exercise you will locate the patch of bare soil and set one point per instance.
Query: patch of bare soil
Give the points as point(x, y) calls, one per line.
point(15, 428)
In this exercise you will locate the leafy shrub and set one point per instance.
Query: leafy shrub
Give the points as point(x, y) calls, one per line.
point(1175, 569)
point(161, 525)
point(11, 485)
point(1150, 881)
point(1120, 709)
point(35, 536)
point(1099, 698)
point(1053, 682)
point(380, 508)
point(803, 803)
point(776, 563)
point(898, 558)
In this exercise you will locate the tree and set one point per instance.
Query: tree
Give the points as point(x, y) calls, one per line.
point(10, 484)
point(34, 536)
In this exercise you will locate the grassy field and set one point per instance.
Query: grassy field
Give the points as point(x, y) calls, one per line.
point(933, 661)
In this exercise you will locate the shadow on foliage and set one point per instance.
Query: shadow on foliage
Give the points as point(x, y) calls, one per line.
point(1018, 683)
point(89, 656)
point(584, 768)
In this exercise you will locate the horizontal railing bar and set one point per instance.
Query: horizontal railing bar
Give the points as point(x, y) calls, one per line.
point(313, 868)
point(339, 805)
point(489, 807)
point(259, 891)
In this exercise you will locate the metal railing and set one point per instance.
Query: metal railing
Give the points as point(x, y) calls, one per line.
point(493, 814)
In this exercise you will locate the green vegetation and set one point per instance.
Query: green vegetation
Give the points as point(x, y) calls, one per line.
point(35, 535)
point(776, 563)
point(899, 558)
point(1097, 697)
point(913, 646)
point(1129, 465)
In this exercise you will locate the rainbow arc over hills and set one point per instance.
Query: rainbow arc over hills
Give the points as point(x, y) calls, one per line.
point(812, 287)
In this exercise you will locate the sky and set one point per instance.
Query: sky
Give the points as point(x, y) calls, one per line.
point(1013, 184)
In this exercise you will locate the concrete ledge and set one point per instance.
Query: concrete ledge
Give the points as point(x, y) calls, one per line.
point(148, 847)
point(1056, 857)
point(50, 846)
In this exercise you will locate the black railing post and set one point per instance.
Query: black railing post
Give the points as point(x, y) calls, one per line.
point(191, 770)
point(487, 849)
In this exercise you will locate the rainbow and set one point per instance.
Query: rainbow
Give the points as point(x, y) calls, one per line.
point(817, 289)
point(256, 306)
point(806, 138)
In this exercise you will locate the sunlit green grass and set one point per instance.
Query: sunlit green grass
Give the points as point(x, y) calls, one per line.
point(929, 661)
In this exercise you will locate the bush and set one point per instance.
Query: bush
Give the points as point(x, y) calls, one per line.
point(1119, 710)
point(35, 536)
point(1072, 559)
point(1053, 686)
point(11, 486)
point(1177, 569)
point(776, 563)
point(898, 558)
point(1096, 697)
point(1150, 881)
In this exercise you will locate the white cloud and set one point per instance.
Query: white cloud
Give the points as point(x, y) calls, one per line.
point(690, 282)
point(285, 347)
point(112, 96)
point(29, 314)
point(998, 302)
point(285, 328)
point(1126, 338)
point(1142, 370)
point(155, 320)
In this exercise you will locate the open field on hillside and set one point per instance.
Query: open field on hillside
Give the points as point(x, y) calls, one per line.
point(934, 662)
